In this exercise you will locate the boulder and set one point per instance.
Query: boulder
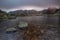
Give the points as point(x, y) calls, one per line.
point(11, 30)
point(22, 25)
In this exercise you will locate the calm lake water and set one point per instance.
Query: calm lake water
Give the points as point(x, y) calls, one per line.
point(31, 19)
point(40, 19)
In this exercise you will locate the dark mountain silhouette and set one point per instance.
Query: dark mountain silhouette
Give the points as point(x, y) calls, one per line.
point(45, 11)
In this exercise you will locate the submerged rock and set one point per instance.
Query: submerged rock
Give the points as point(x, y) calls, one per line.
point(11, 30)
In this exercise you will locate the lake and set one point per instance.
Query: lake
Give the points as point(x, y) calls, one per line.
point(53, 20)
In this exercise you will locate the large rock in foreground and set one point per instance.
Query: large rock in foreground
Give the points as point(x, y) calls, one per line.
point(11, 30)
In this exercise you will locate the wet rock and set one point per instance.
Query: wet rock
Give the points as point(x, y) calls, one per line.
point(11, 30)
point(52, 27)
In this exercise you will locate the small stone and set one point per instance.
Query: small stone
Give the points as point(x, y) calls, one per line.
point(42, 31)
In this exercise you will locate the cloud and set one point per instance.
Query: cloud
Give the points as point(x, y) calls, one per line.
point(12, 4)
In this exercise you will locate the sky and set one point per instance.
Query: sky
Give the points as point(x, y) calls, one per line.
point(11, 5)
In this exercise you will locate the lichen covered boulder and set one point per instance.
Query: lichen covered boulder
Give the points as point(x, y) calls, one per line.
point(22, 24)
